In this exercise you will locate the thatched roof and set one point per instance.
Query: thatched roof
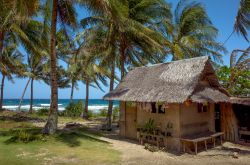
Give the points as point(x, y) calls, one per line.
point(238, 100)
point(173, 82)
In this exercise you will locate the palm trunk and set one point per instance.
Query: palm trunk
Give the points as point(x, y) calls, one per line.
point(21, 99)
point(2, 86)
point(31, 96)
point(122, 58)
point(3, 76)
point(110, 106)
point(51, 125)
point(72, 92)
point(1, 41)
point(85, 113)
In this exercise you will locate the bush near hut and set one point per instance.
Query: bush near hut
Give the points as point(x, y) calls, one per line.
point(43, 112)
point(149, 126)
point(74, 109)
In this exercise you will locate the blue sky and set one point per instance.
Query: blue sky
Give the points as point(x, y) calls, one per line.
point(221, 12)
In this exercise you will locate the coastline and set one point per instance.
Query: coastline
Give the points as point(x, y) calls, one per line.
point(94, 104)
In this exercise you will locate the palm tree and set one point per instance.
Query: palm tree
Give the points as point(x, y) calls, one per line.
point(242, 21)
point(11, 63)
point(191, 33)
point(74, 75)
point(134, 23)
point(91, 75)
point(239, 65)
point(34, 71)
point(127, 27)
point(65, 11)
point(13, 15)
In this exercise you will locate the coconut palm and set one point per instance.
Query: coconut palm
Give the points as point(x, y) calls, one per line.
point(11, 63)
point(92, 75)
point(34, 71)
point(236, 77)
point(239, 66)
point(129, 34)
point(242, 21)
point(192, 33)
point(134, 23)
point(14, 15)
point(74, 75)
point(64, 10)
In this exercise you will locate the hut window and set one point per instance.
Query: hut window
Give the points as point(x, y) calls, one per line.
point(202, 108)
point(161, 109)
point(153, 108)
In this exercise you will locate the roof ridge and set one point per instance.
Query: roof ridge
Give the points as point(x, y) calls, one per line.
point(182, 60)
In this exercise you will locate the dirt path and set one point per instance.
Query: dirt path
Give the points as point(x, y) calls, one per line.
point(134, 154)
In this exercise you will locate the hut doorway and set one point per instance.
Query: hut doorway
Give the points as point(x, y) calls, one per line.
point(242, 113)
point(217, 118)
point(131, 120)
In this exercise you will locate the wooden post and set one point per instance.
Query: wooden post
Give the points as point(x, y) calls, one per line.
point(214, 141)
point(195, 146)
point(229, 123)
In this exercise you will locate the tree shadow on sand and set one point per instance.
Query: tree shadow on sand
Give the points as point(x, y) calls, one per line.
point(73, 137)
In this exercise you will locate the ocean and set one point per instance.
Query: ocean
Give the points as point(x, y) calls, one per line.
point(94, 104)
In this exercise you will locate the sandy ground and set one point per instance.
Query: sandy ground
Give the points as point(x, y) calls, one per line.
point(135, 154)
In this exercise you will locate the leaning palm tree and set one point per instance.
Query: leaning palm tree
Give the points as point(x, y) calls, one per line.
point(34, 71)
point(134, 22)
point(242, 20)
point(11, 63)
point(192, 33)
point(63, 10)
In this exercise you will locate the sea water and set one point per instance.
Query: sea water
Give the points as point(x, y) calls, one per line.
point(94, 104)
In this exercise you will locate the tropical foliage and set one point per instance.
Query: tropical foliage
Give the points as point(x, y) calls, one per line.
point(242, 21)
point(64, 50)
point(236, 77)
point(191, 33)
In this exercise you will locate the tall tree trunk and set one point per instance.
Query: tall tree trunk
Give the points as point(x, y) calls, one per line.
point(122, 57)
point(31, 96)
point(3, 76)
point(85, 113)
point(21, 99)
point(110, 106)
point(51, 125)
point(2, 86)
point(1, 41)
point(72, 91)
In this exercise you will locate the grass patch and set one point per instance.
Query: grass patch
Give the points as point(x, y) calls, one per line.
point(21, 143)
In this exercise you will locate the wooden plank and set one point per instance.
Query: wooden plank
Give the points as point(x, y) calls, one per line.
point(217, 134)
point(241, 132)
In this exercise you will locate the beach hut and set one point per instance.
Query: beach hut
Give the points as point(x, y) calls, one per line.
point(178, 99)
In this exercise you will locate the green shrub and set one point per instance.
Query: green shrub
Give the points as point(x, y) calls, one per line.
point(116, 113)
point(150, 126)
point(25, 136)
point(43, 111)
point(91, 114)
point(103, 113)
point(74, 109)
